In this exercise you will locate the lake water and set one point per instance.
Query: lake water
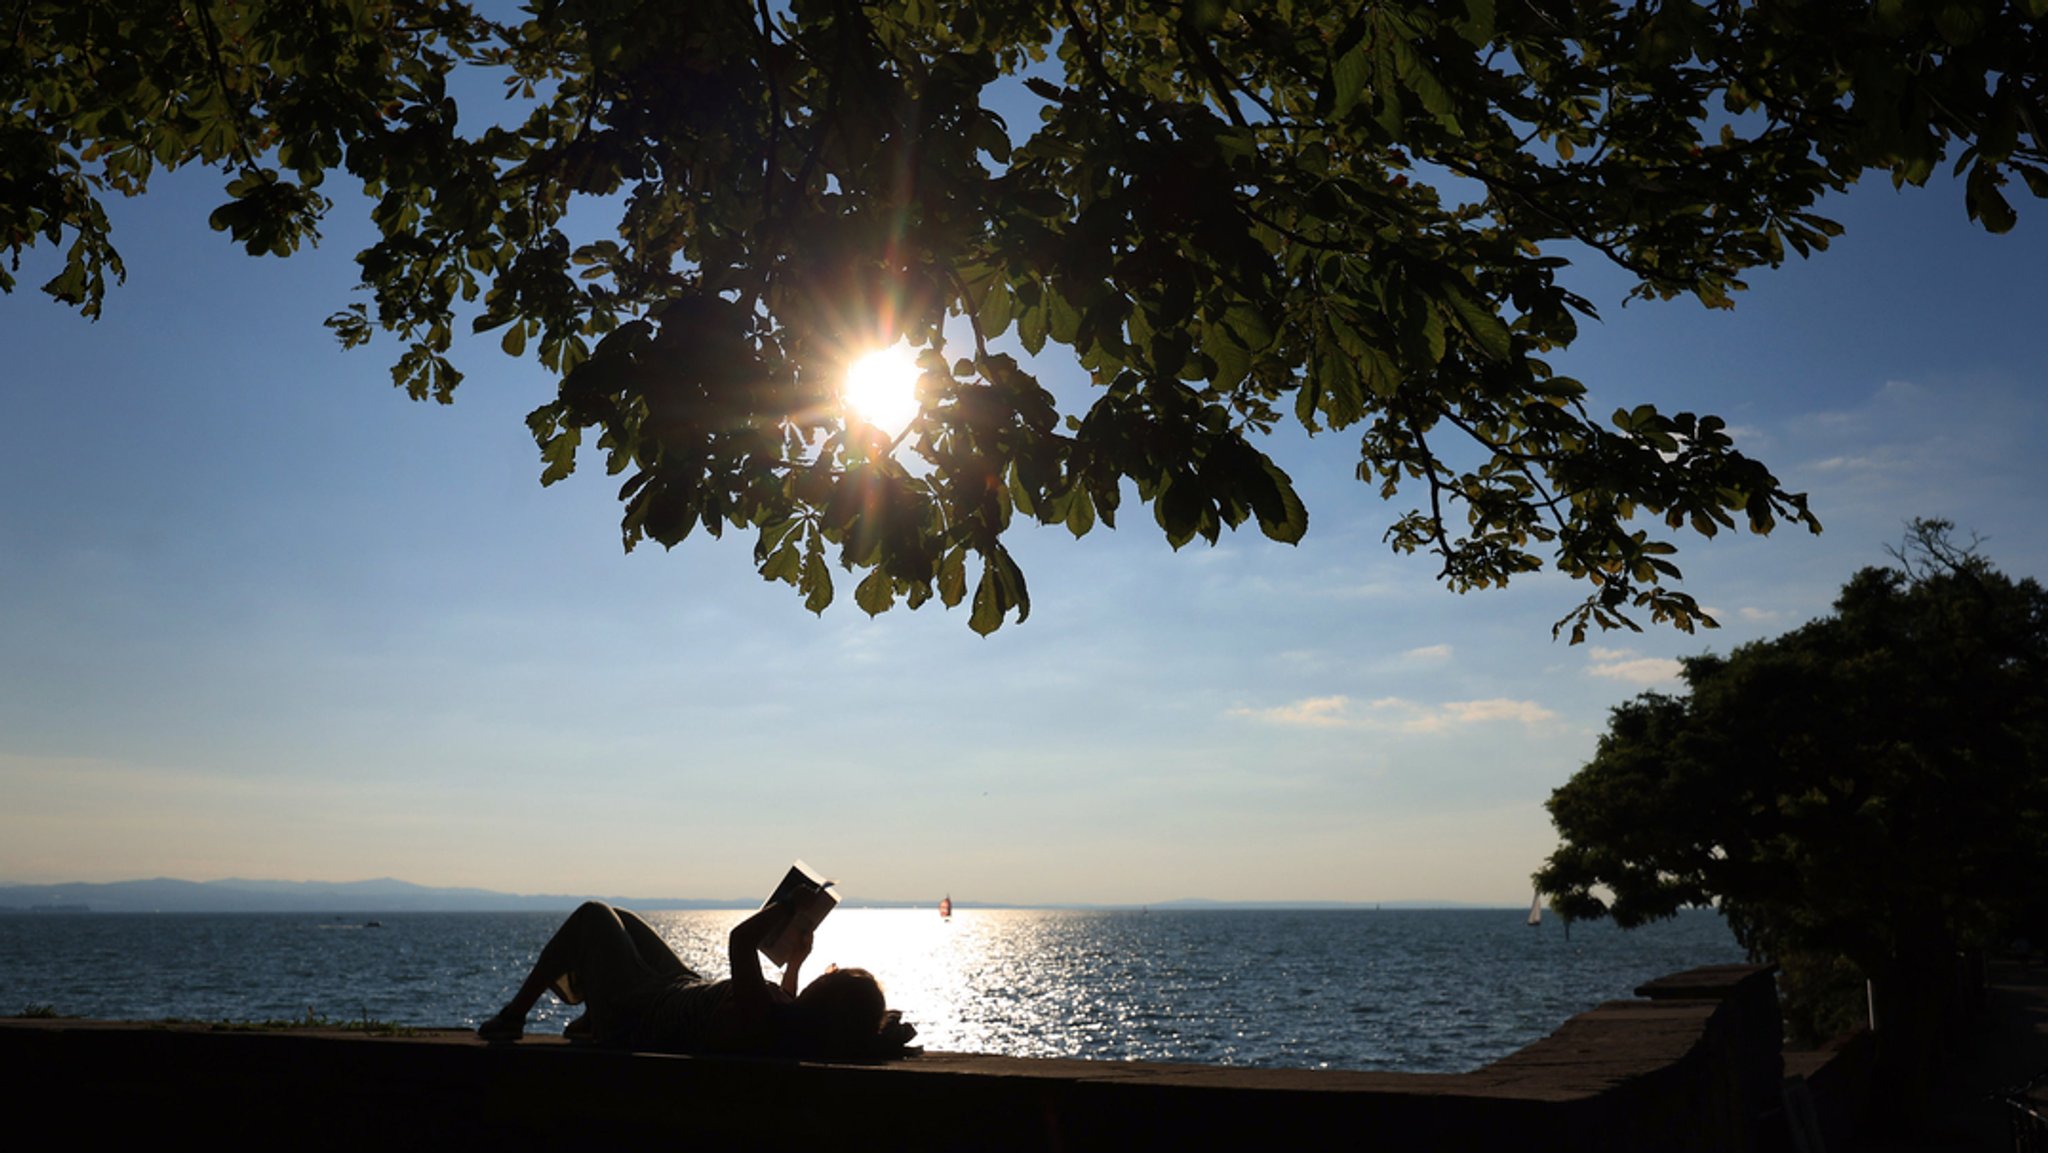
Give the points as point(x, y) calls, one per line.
point(1409, 990)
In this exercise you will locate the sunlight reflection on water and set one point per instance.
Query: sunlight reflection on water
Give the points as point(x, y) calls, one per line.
point(1438, 990)
point(1416, 990)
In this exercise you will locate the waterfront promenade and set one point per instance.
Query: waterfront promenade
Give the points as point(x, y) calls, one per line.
point(1693, 1064)
point(1690, 1066)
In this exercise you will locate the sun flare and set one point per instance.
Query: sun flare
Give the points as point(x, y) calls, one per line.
point(881, 388)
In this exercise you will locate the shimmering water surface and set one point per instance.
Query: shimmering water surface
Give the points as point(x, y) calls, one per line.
point(1414, 990)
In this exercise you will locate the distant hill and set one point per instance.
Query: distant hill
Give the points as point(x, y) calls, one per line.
point(236, 895)
point(386, 895)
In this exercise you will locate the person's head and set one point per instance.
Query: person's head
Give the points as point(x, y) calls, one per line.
point(843, 1011)
point(847, 1016)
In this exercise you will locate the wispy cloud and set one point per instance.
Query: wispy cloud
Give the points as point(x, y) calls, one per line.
point(1309, 712)
point(1957, 442)
point(1428, 655)
point(1882, 459)
point(1396, 714)
point(1624, 665)
point(1383, 589)
point(1751, 438)
point(1758, 616)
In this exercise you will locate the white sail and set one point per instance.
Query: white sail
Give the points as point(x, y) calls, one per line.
point(1536, 909)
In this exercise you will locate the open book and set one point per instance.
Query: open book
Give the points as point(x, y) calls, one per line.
point(810, 895)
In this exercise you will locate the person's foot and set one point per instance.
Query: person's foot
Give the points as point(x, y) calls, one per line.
point(502, 1029)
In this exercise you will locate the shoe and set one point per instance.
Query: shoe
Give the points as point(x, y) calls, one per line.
point(578, 1032)
point(501, 1030)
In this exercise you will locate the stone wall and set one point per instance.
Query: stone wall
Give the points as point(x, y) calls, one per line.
point(1693, 1065)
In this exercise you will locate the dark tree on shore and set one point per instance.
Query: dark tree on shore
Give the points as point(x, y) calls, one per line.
point(1869, 790)
point(1229, 213)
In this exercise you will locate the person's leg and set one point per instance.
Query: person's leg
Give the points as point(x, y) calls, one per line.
point(654, 951)
point(595, 946)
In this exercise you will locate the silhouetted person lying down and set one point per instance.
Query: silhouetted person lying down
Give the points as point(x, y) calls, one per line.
point(640, 995)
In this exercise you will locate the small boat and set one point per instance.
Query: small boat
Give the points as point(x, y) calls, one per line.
point(946, 907)
point(1536, 910)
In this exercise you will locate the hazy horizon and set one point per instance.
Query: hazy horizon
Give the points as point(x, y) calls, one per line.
point(442, 898)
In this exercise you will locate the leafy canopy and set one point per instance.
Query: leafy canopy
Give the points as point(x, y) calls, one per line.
point(1873, 785)
point(1230, 213)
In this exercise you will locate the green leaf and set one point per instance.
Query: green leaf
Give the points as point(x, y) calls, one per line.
point(1959, 23)
point(1483, 326)
point(875, 593)
point(1080, 512)
point(1232, 362)
point(995, 311)
point(1283, 517)
point(785, 564)
point(1347, 79)
point(1031, 328)
point(816, 583)
point(1063, 321)
point(1478, 25)
point(953, 576)
point(1000, 589)
point(559, 454)
point(988, 612)
point(69, 285)
point(1421, 80)
point(1986, 203)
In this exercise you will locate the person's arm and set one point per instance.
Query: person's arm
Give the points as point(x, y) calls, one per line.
point(799, 948)
point(744, 947)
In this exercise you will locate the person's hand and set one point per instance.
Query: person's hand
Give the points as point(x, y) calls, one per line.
point(895, 1036)
point(799, 945)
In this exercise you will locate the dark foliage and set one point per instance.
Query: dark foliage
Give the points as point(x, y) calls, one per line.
point(1230, 213)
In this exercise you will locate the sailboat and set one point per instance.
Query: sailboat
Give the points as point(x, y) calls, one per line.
point(946, 907)
point(1536, 909)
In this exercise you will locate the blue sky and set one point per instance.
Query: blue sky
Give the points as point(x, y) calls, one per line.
point(266, 617)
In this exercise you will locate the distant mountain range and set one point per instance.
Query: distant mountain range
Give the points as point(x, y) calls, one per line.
point(235, 895)
point(386, 895)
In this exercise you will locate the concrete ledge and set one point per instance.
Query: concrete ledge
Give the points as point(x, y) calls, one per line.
point(1626, 1076)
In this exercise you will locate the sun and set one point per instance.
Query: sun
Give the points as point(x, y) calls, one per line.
point(881, 388)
